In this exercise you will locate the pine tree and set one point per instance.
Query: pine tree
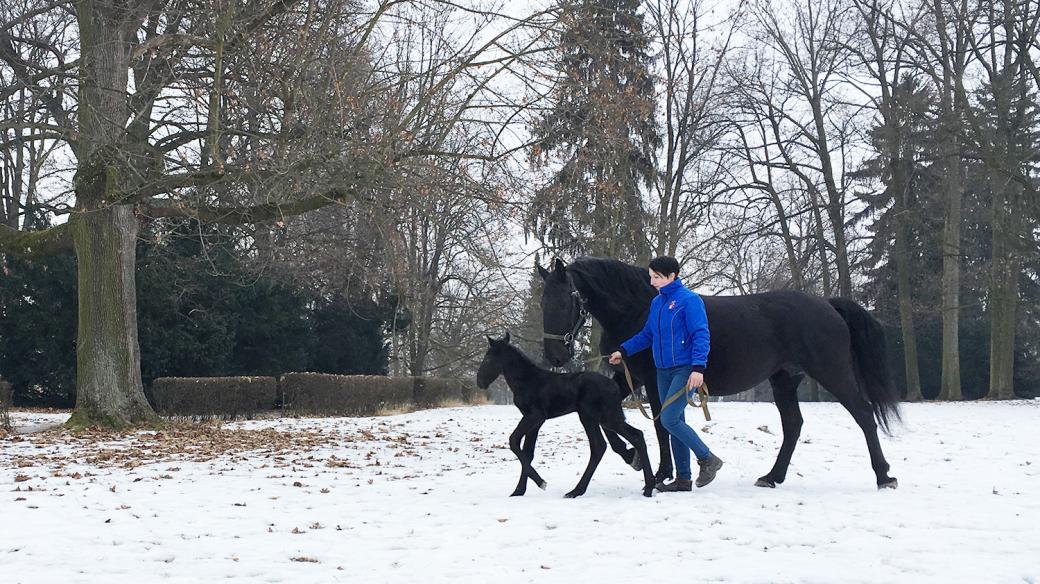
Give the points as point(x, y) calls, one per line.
point(599, 135)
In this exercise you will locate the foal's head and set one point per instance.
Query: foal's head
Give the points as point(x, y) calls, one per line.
point(491, 366)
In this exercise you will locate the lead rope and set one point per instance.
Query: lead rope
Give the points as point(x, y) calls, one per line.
point(702, 392)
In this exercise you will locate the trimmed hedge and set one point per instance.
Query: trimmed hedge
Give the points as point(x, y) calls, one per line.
point(227, 397)
point(354, 395)
point(364, 395)
point(306, 394)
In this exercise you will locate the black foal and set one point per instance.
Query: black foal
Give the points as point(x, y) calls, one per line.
point(542, 394)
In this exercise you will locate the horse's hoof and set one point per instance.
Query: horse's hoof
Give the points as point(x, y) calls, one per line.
point(542, 485)
point(890, 484)
point(764, 482)
point(573, 495)
point(637, 462)
point(648, 492)
point(517, 494)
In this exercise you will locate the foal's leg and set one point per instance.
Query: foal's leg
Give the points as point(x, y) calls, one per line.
point(617, 422)
point(629, 455)
point(598, 446)
point(528, 423)
point(664, 440)
point(785, 394)
point(841, 381)
point(528, 450)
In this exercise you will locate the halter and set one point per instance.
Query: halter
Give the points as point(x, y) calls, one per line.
point(583, 315)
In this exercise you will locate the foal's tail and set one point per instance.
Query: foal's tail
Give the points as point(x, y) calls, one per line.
point(870, 359)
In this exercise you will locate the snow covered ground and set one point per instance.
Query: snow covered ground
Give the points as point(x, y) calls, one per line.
point(422, 497)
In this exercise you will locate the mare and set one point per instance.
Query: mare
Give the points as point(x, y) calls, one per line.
point(781, 336)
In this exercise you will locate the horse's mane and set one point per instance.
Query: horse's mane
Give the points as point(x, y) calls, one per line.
point(612, 285)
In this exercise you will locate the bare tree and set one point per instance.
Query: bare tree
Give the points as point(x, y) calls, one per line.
point(881, 52)
point(811, 50)
point(692, 49)
point(940, 50)
point(1004, 128)
point(155, 133)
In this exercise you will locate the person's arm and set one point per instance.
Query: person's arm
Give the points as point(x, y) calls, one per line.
point(639, 342)
point(697, 327)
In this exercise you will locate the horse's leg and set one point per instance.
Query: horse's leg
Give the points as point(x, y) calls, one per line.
point(629, 455)
point(633, 435)
point(597, 446)
point(664, 440)
point(840, 380)
point(530, 438)
point(527, 423)
point(785, 394)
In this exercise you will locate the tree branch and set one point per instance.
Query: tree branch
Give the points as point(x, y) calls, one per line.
point(34, 244)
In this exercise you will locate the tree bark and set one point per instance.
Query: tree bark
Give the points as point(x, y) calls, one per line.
point(109, 391)
point(900, 184)
point(1003, 294)
point(951, 278)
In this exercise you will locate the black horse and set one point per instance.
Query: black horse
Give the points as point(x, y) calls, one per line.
point(541, 394)
point(780, 336)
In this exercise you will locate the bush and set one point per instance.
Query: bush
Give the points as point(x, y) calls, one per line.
point(357, 395)
point(226, 397)
point(306, 394)
point(437, 391)
point(5, 402)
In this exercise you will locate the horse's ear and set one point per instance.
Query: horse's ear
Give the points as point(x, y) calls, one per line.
point(559, 266)
point(491, 342)
point(544, 273)
point(506, 338)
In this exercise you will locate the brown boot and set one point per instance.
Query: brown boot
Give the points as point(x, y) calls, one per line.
point(676, 486)
point(709, 466)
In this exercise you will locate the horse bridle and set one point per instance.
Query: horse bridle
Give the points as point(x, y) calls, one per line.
point(583, 316)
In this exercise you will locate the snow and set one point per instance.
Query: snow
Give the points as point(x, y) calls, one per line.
point(422, 497)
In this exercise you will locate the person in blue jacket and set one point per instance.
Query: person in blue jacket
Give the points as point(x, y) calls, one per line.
point(677, 330)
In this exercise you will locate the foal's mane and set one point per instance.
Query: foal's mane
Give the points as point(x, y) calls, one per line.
point(520, 355)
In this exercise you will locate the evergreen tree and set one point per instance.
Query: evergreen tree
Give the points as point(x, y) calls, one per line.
point(201, 312)
point(599, 136)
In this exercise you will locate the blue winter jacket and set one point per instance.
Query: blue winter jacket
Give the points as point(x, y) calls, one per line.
point(676, 328)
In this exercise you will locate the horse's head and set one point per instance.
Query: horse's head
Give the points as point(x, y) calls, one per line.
point(491, 366)
point(563, 313)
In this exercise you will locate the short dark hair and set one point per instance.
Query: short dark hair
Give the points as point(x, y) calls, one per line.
point(665, 265)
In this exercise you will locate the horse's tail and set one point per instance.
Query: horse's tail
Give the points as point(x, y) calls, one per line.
point(870, 360)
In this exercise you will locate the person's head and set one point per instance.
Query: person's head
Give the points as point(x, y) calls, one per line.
point(663, 271)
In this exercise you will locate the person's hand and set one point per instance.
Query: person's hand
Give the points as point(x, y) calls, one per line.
point(615, 358)
point(696, 379)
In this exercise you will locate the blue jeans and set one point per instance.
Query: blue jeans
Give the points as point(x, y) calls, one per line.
point(673, 418)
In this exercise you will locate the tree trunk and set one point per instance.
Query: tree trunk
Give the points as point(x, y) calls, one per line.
point(109, 391)
point(835, 205)
point(108, 360)
point(1003, 294)
point(951, 278)
point(904, 290)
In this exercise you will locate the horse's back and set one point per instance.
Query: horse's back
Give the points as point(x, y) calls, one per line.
point(754, 336)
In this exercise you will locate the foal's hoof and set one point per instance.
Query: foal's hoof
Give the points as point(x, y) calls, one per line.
point(542, 485)
point(891, 483)
point(574, 494)
point(637, 462)
point(517, 494)
point(648, 491)
point(764, 482)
